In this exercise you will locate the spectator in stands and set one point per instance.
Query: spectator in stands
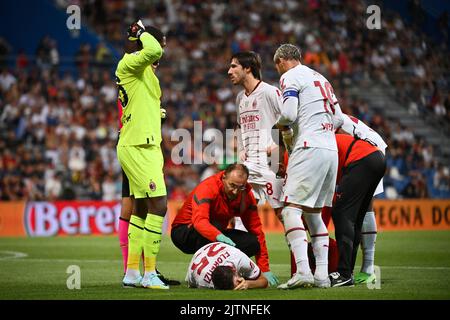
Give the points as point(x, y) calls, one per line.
point(46, 109)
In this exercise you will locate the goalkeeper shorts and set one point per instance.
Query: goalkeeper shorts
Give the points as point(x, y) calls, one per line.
point(143, 166)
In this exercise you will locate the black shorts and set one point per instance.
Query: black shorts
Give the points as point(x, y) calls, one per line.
point(188, 240)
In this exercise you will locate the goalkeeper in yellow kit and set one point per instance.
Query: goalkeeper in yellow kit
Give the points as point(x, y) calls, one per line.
point(140, 155)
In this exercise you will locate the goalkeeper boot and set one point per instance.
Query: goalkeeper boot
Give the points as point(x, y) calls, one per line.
point(363, 277)
point(299, 280)
point(130, 282)
point(152, 281)
point(167, 281)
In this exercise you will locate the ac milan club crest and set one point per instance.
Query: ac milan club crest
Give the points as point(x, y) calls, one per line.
point(254, 104)
point(152, 185)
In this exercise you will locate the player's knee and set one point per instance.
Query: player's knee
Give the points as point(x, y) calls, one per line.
point(126, 208)
point(158, 206)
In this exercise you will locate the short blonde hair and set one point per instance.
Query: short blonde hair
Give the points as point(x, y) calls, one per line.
point(287, 51)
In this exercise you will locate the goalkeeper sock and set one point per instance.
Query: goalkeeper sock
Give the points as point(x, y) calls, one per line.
point(296, 236)
point(135, 237)
point(319, 239)
point(123, 240)
point(152, 241)
point(368, 239)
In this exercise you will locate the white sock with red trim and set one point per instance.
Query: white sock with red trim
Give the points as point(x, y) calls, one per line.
point(296, 237)
point(368, 239)
point(320, 241)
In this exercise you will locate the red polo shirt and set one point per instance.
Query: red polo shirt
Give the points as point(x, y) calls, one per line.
point(359, 150)
point(208, 203)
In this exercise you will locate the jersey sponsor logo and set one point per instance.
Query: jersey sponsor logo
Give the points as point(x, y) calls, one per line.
point(249, 118)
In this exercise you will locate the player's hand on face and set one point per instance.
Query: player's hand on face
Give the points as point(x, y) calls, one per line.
point(242, 284)
point(242, 156)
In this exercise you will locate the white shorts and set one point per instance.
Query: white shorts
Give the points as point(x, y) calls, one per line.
point(311, 177)
point(271, 191)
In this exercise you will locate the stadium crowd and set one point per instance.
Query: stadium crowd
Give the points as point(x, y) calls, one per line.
point(58, 130)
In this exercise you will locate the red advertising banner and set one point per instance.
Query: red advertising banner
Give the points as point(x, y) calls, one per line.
point(11, 219)
point(69, 218)
point(44, 219)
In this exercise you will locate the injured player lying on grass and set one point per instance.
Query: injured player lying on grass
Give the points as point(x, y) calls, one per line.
point(221, 266)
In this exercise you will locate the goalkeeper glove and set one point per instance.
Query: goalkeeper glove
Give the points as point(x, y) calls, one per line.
point(163, 115)
point(273, 280)
point(135, 30)
point(288, 139)
point(223, 238)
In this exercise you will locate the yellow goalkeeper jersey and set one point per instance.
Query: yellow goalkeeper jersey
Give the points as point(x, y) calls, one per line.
point(140, 95)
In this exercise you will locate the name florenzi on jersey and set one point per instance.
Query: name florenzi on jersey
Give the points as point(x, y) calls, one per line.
point(219, 260)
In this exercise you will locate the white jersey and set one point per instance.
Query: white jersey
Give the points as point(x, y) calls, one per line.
point(257, 113)
point(215, 254)
point(359, 129)
point(313, 126)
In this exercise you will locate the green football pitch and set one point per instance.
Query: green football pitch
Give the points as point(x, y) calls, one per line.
point(413, 265)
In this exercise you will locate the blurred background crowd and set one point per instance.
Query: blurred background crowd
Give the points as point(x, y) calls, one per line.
point(58, 126)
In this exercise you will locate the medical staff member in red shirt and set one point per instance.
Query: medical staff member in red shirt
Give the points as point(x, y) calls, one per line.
point(207, 211)
point(361, 167)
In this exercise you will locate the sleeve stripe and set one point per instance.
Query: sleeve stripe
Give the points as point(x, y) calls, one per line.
point(199, 202)
point(290, 93)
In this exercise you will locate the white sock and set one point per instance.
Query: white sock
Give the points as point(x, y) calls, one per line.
point(320, 241)
point(296, 237)
point(132, 274)
point(368, 239)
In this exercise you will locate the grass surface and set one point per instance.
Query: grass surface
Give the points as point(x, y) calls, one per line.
point(414, 265)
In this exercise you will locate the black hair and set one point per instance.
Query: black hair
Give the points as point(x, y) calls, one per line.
point(222, 278)
point(156, 33)
point(249, 59)
point(237, 166)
